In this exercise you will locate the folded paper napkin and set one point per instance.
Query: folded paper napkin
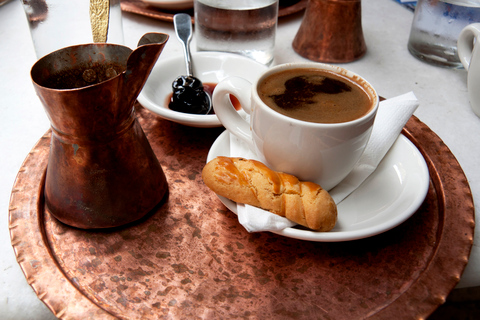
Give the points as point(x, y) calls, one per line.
point(392, 115)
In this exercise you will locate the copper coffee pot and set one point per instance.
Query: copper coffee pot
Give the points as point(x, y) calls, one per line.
point(101, 169)
point(331, 31)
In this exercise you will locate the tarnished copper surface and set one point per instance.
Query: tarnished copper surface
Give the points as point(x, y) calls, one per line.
point(331, 31)
point(102, 171)
point(288, 7)
point(191, 258)
point(141, 8)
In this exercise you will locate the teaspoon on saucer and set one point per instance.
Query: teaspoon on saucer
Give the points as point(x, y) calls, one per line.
point(189, 95)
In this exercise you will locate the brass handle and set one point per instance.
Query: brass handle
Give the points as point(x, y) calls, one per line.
point(99, 16)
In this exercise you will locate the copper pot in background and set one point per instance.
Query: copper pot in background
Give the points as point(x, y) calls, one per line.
point(331, 31)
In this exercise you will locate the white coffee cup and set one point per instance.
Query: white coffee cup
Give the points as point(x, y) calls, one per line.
point(469, 55)
point(324, 153)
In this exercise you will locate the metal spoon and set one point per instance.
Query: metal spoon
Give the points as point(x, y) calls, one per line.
point(189, 95)
point(99, 17)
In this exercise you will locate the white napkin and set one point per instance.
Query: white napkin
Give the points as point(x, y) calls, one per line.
point(392, 115)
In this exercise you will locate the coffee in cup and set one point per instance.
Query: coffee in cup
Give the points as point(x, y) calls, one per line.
point(314, 95)
point(311, 120)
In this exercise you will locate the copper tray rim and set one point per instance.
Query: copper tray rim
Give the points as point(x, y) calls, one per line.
point(43, 274)
point(137, 7)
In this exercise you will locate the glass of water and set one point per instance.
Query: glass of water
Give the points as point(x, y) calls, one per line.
point(246, 27)
point(436, 27)
point(55, 24)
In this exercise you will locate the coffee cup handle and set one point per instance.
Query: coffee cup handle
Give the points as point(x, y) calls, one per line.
point(230, 118)
point(465, 43)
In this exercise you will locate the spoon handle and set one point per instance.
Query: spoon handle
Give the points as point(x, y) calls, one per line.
point(183, 28)
point(99, 17)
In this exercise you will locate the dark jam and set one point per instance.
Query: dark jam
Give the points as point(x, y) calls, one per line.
point(189, 96)
point(208, 87)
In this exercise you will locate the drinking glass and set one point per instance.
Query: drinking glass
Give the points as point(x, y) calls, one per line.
point(246, 27)
point(435, 29)
point(55, 24)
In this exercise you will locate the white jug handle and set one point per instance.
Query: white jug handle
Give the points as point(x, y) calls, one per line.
point(469, 35)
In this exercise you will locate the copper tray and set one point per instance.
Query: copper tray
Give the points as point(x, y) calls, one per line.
point(191, 258)
point(141, 8)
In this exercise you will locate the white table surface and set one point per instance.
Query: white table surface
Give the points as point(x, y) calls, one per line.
point(442, 93)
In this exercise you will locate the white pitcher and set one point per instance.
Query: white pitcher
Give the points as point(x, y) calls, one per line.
point(469, 53)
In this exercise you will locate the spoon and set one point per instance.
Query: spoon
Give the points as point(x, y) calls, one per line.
point(189, 95)
point(99, 16)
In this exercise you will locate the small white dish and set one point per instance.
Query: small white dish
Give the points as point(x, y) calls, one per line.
point(209, 67)
point(170, 4)
point(387, 198)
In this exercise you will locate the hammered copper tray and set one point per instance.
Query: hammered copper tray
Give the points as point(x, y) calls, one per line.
point(141, 8)
point(191, 258)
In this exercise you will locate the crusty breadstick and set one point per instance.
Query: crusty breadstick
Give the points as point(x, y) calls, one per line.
point(251, 182)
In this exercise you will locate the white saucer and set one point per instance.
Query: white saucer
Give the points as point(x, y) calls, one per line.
point(387, 198)
point(209, 67)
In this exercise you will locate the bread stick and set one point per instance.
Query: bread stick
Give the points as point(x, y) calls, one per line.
point(251, 182)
